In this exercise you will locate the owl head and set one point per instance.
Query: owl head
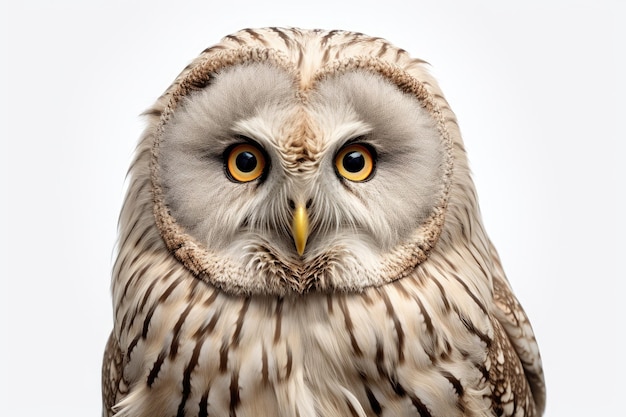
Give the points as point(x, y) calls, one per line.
point(285, 161)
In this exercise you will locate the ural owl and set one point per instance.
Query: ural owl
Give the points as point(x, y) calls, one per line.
point(301, 237)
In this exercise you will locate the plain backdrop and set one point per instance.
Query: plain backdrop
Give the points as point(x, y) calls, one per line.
point(538, 88)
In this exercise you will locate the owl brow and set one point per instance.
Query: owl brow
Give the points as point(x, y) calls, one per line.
point(364, 140)
point(246, 139)
point(230, 141)
point(356, 139)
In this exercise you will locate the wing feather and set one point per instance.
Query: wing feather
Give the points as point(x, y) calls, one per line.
point(514, 378)
point(111, 375)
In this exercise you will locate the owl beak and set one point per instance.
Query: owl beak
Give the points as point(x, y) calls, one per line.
point(300, 228)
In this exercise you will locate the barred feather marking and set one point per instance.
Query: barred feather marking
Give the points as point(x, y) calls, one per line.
point(446, 339)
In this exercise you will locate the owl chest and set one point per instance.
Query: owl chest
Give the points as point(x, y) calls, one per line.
point(370, 354)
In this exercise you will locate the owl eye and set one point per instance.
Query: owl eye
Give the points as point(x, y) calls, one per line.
point(244, 162)
point(355, 162)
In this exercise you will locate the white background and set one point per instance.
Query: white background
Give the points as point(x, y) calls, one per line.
point(539, 91)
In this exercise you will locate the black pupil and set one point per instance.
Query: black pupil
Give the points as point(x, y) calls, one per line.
point(246, 161)
point(353, 161)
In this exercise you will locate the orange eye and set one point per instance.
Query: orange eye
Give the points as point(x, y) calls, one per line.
point(245, 163)
point(355, 162)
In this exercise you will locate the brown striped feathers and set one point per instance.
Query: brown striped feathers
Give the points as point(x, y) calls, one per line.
point(301, 238)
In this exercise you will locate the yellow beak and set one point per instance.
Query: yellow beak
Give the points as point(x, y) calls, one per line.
point(300, 228)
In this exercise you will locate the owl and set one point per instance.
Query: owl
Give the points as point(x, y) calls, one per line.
point(301, 238)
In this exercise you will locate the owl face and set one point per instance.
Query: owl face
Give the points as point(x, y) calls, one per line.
point(286, 188)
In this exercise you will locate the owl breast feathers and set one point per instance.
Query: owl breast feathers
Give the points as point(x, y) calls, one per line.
point(301, 237)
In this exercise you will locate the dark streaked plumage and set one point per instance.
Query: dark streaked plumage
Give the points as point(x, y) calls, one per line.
point(391, 301)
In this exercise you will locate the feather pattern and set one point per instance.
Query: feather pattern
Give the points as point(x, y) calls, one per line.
point(438, 332)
